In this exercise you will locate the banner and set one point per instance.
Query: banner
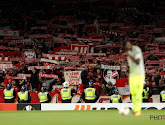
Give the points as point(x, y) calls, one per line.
point(16, 59)
point(73, 77)
point(5, 58)
point(110, 74)
point(30, 54)
point(16, 77)
point(48, 76)
point(21, 76)
point(5, 62)
point(152, 62)
point(109, 46)
point(150, 71)
point(9, 48)
point(160, 39)
point(66, 53)
point(72, 67)
point(40, 67)
point(31, 60)
point(96, 54)
point(9, 33)
point(24, 75)
point(99, 106)
point(5, 66)
point(90, 64)
point(58, 58)
point(20, 65)
point(80, 48)
point(135, 39)
point(49, 60)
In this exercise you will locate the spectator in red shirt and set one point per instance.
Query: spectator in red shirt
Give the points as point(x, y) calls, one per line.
point(16, 88)
point(7, 79)
point(80, 89)
point(97, 85)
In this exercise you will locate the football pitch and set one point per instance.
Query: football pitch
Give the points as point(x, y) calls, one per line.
point(106, 117)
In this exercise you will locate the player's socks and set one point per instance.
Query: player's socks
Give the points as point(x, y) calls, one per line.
point(138, 113)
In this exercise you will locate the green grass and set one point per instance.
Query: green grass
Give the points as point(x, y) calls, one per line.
point(108, 117)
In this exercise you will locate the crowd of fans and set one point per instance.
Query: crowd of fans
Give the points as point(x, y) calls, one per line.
point(22, 19)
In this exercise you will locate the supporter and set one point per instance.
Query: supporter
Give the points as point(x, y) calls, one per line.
point(84, 76)
point(127, 74)
point(103, 90)
point(97, 84)
point(122, 75)
point(59, 82)
point(16, 88)
point(98, 73)
point(155, 89)
point(91, 76)
point(157, 77)
point(7, 78)
point(161, 86)
point(47, 82)
point(21, 82)
point(110, 89)
point(34, 79)
point(103, 39)
point(148, 83)
point(28, 85)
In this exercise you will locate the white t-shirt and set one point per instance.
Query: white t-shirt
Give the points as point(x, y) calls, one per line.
point(136, 69)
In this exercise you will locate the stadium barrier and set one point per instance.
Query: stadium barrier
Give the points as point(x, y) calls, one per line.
point(8, 107)
point(97, 106)
point(29, 107)
point(76, 106)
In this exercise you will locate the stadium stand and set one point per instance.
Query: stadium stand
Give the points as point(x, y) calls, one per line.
point(64, 37)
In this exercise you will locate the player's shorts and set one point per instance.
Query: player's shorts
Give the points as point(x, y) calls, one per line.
point(136, 84)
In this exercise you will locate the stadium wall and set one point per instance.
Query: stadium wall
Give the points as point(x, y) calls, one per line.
point(76, 106)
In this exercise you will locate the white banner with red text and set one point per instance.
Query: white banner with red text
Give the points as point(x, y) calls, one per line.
point(73, 77)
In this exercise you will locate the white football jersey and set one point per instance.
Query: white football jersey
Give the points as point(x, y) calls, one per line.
point(136, 69)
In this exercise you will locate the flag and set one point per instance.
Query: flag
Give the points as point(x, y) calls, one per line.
point(123, 88)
